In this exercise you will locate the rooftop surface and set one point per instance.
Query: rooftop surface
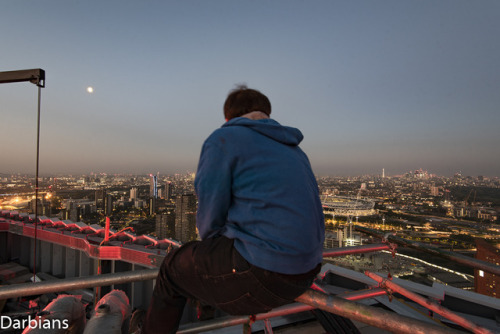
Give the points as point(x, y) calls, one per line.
point(370, 289)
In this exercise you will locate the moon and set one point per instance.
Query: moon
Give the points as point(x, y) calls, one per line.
point(90, 89)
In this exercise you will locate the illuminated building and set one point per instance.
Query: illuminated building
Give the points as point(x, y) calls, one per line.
point(133, 193)
point(152, 205)
point(347, 206)
point(108, 205)
point(100, 199)
point(169, 188)
point(434, 191)
point(43, 206)
point(165, 225)
point(487, 283)
point(185, 218)
point(153, 186)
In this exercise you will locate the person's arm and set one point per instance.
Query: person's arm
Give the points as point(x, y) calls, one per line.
point(213, 187)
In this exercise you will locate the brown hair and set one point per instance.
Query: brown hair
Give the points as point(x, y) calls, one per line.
point(243, 100)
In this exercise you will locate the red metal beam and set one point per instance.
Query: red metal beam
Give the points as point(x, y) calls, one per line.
point(333, 252)
point(430, 304)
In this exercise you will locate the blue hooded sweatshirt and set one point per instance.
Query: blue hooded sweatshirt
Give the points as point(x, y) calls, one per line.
point(255, 185)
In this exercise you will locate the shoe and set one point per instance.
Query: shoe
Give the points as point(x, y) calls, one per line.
point(205, 312)
point(137, 321)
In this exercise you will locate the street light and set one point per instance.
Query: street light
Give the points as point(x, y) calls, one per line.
point(37, 77)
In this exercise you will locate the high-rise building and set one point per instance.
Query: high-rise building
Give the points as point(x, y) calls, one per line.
point(434, 191)
point(169, 188)
point(152, 205)
point(133, 193)
point(165, 225)
point(108, 205)
point(77, 211)
point(43, 207)
point(185, 218)
point(153, 186)
point(100, 199)
point(486, 283)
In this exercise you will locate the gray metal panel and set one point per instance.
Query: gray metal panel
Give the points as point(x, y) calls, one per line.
point(58, 260)
point(403, 309)
point(354, 275)
point(46, 256)
point(72, 260)
point(142, 291)
point(86, 264)
point(436, 292)
point(480, 321)
point(13, 242)
point(38, 254)
point(470, 296)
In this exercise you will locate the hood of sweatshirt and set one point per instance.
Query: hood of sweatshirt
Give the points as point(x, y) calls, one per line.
point(269, 128)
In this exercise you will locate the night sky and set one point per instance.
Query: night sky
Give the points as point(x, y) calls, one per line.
point(399, 85)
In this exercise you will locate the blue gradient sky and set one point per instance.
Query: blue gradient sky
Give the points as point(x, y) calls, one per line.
point(396, 84)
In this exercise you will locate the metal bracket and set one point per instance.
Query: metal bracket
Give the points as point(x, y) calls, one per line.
point(268, 329)
point(35, 76)
point(247, 326)
point(392, 248)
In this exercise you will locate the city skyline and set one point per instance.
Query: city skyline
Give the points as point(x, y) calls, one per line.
point(394, 85)
point(167, 175)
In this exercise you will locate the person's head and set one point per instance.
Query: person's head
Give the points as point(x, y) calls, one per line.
point(243, 100)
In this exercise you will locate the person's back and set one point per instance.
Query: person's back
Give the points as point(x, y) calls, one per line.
point(275, 215)
point(259, 217)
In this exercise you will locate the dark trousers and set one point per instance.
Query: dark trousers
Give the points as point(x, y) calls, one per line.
point(213, 272)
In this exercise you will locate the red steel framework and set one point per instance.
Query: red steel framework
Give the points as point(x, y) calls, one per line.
point(391, 287)
point(341, 305)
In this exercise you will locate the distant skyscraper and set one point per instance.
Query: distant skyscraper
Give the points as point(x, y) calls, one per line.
point(153, 186)
point(185, 218)
point(133, 193)
point(152, 206)
point(108, 205)
point(168, 190)
point(383, 173)
point(43, 207)
point(165, 225)
point(78, 211)
point(100, 199)
point(434, 191)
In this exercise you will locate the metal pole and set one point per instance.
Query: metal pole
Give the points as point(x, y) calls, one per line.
point(36, 178)
point(76, 283)
point(243, 319)
point(37, 77)
point(431, 305)
point(465, 260)
point(373, 316)
point(312, 300)
point(333, 252)
point(214, 324)
point(363, 294)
